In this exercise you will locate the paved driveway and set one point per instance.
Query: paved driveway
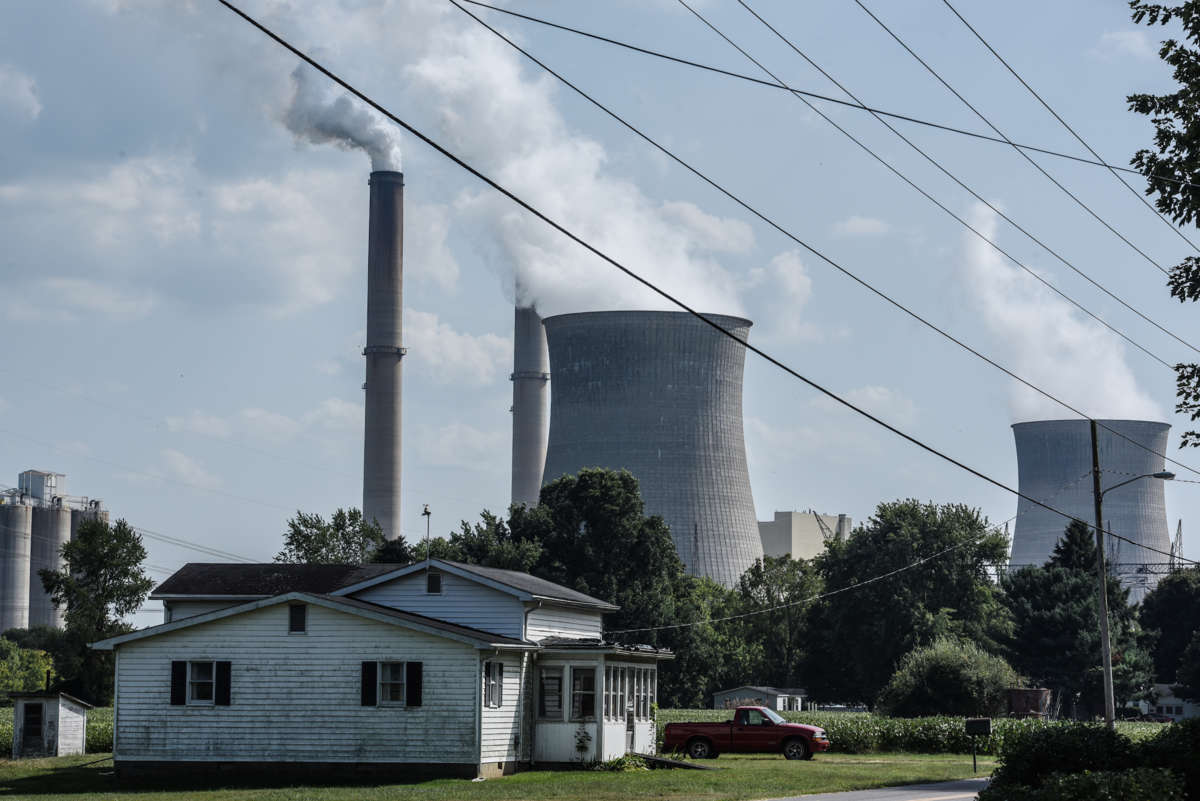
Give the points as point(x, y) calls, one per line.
point(942, 791)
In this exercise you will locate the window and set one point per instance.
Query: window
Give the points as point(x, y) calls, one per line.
point(583, 693)
point(550, 693)
point(493, 684)
point(608, 691)
point(433, 583)
point(622, 684)
point(201, 678)
point(391, 682)
point(31, 727)
point(297, 618)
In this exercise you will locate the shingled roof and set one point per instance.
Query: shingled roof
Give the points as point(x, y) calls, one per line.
point(540, 588)
point(264, 580)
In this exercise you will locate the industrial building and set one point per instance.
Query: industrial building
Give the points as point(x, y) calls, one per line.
point(531, 405)
point(801, 535)
point(660, 395)
point(1054, 464)
point(37, 518)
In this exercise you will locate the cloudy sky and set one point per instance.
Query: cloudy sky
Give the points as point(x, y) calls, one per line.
point(184, 233)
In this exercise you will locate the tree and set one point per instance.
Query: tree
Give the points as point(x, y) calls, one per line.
point(1056, 639)
point(1188, 674)
point(949, 677)
point(780, 636)
point(23, 669)
point(346, 539)
point(1172, 169)
point(859, 637)
point(101, 582)
point(1171, 611)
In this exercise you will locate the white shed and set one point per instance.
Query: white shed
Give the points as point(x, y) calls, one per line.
point(47, 724)
point(785, 699)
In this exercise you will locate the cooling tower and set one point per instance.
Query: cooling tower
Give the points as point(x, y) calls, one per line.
point(16, 527)
point(1054, 464)
point(51, 530)
point(660, 394)
point(531, 405)
point(383, 352)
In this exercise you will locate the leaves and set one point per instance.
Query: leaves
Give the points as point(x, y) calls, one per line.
point(346, 539)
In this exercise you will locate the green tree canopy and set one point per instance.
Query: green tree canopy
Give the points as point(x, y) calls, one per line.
point(949, 677)
point(775, 631)
point(857, 638)
point(1172, 612)
point(346, 538)
point(24, 669)
point(101, 583)
point(1188, 674)
point(1056, 639)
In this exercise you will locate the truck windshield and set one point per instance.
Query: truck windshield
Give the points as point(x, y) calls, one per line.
point(773, 715)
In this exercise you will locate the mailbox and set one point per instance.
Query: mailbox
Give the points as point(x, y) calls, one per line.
point(979, 727)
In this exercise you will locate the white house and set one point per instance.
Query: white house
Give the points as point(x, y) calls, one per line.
point(788, 699)
point(1168, 704)
point(438, 665)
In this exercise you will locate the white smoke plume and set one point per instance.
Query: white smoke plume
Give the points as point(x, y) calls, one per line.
point(313, 116)
point(1048, 342)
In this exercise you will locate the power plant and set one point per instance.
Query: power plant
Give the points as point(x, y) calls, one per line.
point(1054, 464)
point(37, 518)
point(531, 405)
point(384, 352)
point(801, 535)
point(660, 395)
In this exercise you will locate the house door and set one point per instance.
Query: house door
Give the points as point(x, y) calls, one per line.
point(31, 728)
point(629, 730)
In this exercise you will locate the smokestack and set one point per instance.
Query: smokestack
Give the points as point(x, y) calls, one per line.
point(531, 406)
point(384, 352)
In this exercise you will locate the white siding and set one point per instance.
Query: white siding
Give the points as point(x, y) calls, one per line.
point(461, 601)
point(72, 729)
point(556, 741)
point(297, 697)
point(178, 610)
point(501, 727)
point(559, 621)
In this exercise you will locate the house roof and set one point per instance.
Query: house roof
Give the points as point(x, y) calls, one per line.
point(385, 614)
point(522, 585)
point(50, 694)
point(262, 580)
point(766, 690)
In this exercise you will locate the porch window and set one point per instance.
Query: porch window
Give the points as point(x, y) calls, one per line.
point(622, 687)
point(550, 693)
point(608, 691)
point(583, 693)
point(493, 684)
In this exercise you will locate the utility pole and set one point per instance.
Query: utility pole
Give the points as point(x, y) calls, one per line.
point(1110, 712)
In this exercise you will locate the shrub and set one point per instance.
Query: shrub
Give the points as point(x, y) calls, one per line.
point(1028, 757)
point(1139, 784)
point(1176, 747)
point(949, 677)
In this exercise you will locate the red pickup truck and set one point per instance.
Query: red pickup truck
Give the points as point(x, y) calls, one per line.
point(753, 729)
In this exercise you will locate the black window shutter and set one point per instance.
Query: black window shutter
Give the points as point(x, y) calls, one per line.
point(223, 690)
point(178, 683)
point(370, 687)
point(499, 684)
point(412, 684)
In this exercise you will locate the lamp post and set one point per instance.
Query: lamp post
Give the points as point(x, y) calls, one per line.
point(1110, 711)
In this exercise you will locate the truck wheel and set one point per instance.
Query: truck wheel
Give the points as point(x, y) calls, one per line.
point(796, 748)
point(699, 748)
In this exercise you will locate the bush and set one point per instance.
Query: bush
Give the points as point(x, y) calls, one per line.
point(949, 677)
point(1028, 758)
point(1176, 747)
point(1139, 784)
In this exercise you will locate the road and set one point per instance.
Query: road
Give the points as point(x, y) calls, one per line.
point(942, 791)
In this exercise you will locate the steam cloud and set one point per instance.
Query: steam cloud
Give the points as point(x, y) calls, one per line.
point(314, 117)
point(1048, 342)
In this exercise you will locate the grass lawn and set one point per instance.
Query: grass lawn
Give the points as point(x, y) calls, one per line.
point(747, 776)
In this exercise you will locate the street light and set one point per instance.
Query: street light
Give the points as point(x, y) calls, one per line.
point(1110, 711)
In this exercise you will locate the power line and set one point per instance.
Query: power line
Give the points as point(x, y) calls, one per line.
point(744, 204)
point(956, 179)
point(1000, 133)
point(1073, 132)
point(1098, 162)
point(629, 272)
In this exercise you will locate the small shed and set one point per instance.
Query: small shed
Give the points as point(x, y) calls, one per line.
point(783, 699)
point(47, 724)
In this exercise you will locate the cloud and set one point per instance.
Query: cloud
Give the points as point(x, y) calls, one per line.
point(70, 300)
point(271, 426)
point(428, 256)
point(18, 95)
point(463, 446)
point(197, 422)
point(886, 403)
point(315, 116)
point(179, 466)
point(1048, 342)
point(718, 234)
point(861, 226)
point(1116, 44)
point(335, 414)
point(449, 356)
point(791, 289)
point(332, 415)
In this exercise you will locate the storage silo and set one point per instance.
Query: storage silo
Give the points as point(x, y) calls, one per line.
point(16, 528)
point(660, 394)
point(1054, 465)
point(51, 529)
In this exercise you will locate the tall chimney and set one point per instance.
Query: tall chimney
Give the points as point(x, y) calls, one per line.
point(383, 352)
point(531, 405)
